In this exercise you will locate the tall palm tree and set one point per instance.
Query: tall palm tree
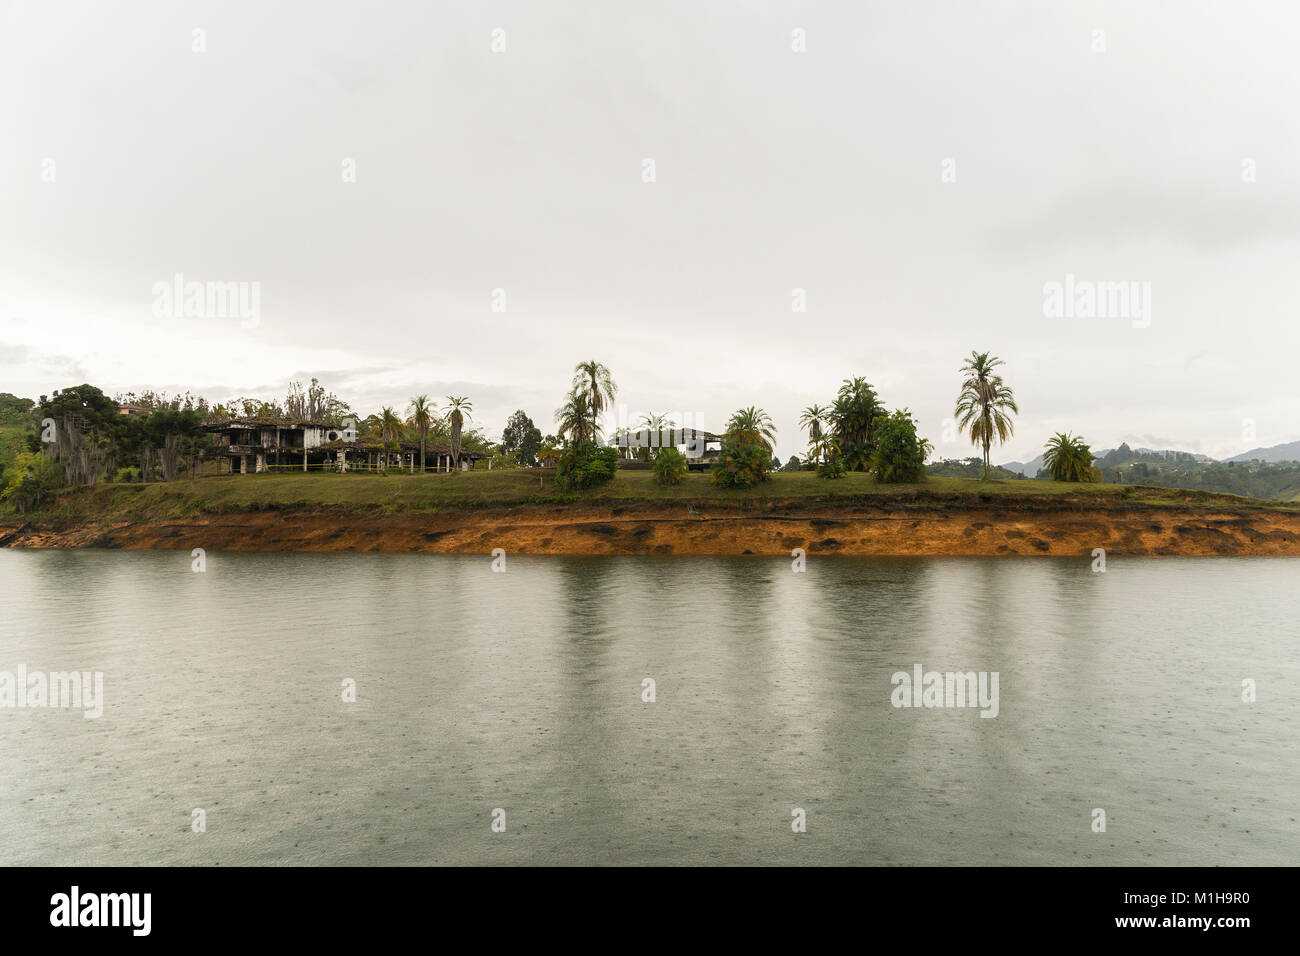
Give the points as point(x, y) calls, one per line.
point(422, 418)
point(593, 382)
point(458, 409)
point(390, 430)
point(1068, 458)
point(752, 425)
point(572, 423)
point(984, 403)
point(812, 419)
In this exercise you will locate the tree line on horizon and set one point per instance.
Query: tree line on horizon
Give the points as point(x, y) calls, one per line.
point(855, 432)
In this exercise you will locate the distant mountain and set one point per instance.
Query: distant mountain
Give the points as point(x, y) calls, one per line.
point(1260, 473)
point(1287, 452)
point(1028, 468)
point(1112, 456)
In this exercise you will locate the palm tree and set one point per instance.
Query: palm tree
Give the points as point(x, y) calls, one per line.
point(571, 419)
point(853, 416)
point(813, 418)
point(422, 418)
point(390, 430)
point(594, 384)
point(824, 447)
point(458, 409)
point(1068, 458)
point(656, 424)
point(984, 402)
point(752, 425)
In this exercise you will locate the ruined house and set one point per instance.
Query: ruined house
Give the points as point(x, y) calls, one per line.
point(252, 445)
point(256, 444)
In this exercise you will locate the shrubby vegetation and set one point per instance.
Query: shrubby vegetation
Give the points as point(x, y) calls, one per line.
point(746, 450)
point(743, 465)
point(586, 466)
point(669, 466)
point(1068, 458)
point(858, 433)
point(33, 480)
point(832, 466)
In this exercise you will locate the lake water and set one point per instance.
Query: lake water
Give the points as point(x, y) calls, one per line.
point(523, 691)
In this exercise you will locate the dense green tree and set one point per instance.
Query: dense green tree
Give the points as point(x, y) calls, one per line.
point(33, 480)
point(521, 439)
point(16, 411)
point(85, 432)
point(900, 453)
point(853, 418)
point(585, 465)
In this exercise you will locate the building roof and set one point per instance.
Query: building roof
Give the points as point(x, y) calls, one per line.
point(217, 426)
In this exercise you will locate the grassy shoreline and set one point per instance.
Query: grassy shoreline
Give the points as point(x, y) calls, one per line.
point(400, 493)
point(477, 512)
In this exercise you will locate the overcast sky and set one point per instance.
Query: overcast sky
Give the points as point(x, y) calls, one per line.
point(126, 157)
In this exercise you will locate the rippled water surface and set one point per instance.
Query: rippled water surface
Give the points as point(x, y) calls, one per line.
point(523, 691)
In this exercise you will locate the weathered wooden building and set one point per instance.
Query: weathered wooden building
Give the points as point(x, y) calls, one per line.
point(256, 444)
point(252, 445)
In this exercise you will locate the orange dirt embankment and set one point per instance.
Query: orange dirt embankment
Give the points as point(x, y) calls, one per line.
point(1043, 528)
